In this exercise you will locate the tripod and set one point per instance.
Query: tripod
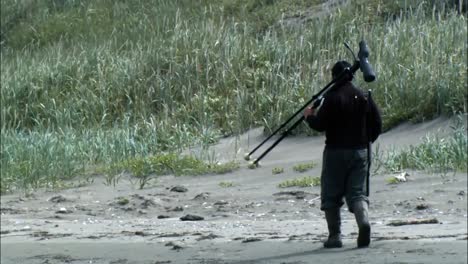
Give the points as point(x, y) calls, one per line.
point(369, 76)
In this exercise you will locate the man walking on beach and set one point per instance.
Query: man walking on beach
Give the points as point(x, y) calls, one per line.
point(350, 122)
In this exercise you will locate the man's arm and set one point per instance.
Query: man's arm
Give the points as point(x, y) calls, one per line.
point(317, 118)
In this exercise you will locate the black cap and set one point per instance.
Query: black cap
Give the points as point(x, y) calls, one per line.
point(339, 67)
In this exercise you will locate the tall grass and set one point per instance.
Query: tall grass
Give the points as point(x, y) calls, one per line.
point(92, 82)
point(434, 154)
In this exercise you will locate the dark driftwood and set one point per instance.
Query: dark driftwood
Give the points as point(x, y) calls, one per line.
point(413, 222)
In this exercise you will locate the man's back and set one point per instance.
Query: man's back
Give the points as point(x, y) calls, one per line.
point(343, 117)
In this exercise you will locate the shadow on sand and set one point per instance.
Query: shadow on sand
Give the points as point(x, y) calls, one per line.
point(301, 255)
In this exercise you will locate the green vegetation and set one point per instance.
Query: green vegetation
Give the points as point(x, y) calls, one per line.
point(145, 169)
point(304, 167)
point(122, 200)
point(226, 184)
point(433, 154)
point(301, 182)
point(393, 180)
point(95, 83)
point(277, 170)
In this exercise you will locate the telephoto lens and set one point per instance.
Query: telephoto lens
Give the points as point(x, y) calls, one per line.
point(366, 68)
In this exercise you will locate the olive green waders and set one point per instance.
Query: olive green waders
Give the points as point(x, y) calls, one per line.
point(344, 173)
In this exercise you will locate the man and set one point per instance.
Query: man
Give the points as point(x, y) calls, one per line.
point(346, 116)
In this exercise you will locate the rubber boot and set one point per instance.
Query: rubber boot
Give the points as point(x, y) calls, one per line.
point(334, 228)
point(360, 209)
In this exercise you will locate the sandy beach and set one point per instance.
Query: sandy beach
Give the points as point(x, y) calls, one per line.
point(422, 220)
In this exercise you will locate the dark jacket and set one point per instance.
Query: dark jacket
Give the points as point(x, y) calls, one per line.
point(344, 115)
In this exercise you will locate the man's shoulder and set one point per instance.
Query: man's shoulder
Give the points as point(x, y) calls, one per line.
point(354, 87)
point(347, 88)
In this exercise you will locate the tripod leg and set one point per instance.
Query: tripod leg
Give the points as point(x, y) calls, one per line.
point(285, 134)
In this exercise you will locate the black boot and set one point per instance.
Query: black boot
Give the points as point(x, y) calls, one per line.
point(334, 228)
point(360, 209)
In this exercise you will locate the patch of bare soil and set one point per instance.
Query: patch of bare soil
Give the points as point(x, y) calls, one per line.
point(196, 220)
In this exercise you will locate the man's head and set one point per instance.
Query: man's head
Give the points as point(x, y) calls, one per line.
point(339, 67)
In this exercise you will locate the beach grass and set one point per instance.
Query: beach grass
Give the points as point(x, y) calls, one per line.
point(88, 84)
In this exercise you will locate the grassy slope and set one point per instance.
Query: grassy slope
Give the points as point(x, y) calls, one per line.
point(92, 82)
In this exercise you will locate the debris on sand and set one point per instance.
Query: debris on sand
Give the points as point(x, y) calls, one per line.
point(179, 188)
point(63, 210)
point(135, 233)
point(11, 210)
point(45, 235)
point(175, 246)
point(221, 203)
point(128, 209)
point(122, 200)
point(25, 228)
point(300, 237)
point(461, 193)
point(209, 236)
point(202, 196)
point(58, 199)
point(148, 203)
point(163, 216)
point(402, 177)
point(174, 234)
point(138, 196)
point(422, 207)
point(119, 261)
point(57, 258)
point(140, 233)
point(413, 222)
point(190, 217)
point(252, 239)
point(298, 194)
point(175, 209)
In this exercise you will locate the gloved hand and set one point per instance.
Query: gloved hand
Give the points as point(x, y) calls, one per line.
point(308, 112)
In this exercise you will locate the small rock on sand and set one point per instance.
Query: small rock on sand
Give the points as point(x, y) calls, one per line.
point(422, 206)
point(163, 216)
point(221, 203)
point(190, 217)
point(179, 188)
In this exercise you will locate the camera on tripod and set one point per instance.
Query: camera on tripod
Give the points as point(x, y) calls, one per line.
point(361, 62)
